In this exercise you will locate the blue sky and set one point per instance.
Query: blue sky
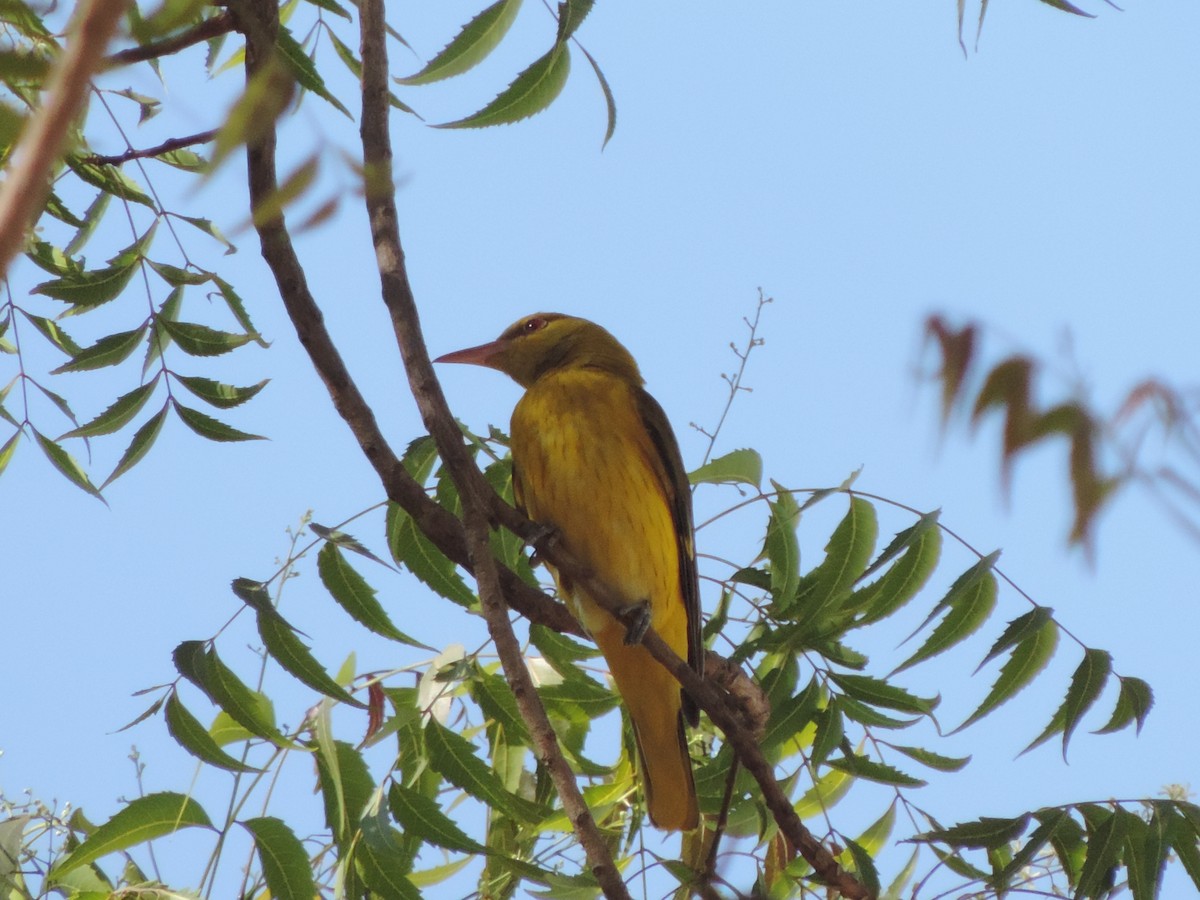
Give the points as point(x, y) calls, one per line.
point(852, 164)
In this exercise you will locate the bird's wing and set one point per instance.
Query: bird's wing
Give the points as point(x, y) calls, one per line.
point(678, 492)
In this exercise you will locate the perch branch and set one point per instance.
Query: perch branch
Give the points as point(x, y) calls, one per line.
point(222, 23)
point(475, 492)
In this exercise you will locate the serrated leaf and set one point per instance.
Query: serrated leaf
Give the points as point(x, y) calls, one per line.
point(825, 793)
point(1018, 630)
point(293, 655)
point(141, 820)
point(51, 259)
point(184, 159)
point(423, 817)
point(1104, 844)
point(738, 467)
point(881, 693)
point(58, 400)
point(780, 547)
point(901, 582)
point(6, 452)
point(86, 290)
point(200, 340)
point(354, 595)
point(864, 867)
point(1087, 682)
point(1184, 838)
point(250, 709)
point(285, 864)
point(985, 833)
point(846, 556)
point(1145, 854)
point(1133, 704)
point(970, 605)
point(571, 14)
point(91, 221)
point(792, 715)
point(530, 93)
point(1027, 660)
point(828, 737)
point(410, 548)
point(1049, 822)
point(933, 760)
point(53, 332)
point(222, 396)
point(210, 229)
point(111, 179)
point(66, 464)
point(177, 277)
point(305, 70)
point(143, 440)
point(454, 758)
point(119, 414)
point(210, 428)
point(382, 860)
point(862, 767)
point(470, 46)
point(193, 737)
point(108, 351)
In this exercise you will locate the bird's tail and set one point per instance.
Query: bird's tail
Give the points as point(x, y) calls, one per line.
point(667, 776)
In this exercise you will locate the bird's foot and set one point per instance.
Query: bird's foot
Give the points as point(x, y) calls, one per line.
point(636, 617)
point(544, 537)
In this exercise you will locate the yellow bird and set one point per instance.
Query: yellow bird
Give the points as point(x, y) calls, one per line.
point(595, 459)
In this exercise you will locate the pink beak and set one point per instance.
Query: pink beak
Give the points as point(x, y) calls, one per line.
point(476, 356)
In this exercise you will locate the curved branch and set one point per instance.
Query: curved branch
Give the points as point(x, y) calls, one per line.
point(476, 494)
point(28, 181)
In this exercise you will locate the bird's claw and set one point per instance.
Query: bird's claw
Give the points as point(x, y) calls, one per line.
point(543, 537)
point(636, 617)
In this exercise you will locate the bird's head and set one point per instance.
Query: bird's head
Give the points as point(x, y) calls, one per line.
point(550, 342)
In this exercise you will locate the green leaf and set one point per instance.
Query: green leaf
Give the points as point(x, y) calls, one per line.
point(531, 92)
point(346, 783)
point(119, 414)
point(422, 817)
point(1087, 683)
point(6, 452)
point(454, 758)
point(1184, 839)
point(91, 221)
point(142, 819)
point(864, 867)
point(193, 737)
point(66, 464)
point(211, 230)
point(738, 467)
point(825, 793)
point(248, 708)
point(1145, 854)
point(293, 655)
point(88, 289)
point(159, 339)
point(1133, 704)
point(933, 760)
point(177, 277)
point(200, 340)
point(830, 731)
point(222, 396)
point(111, 179)
point(780, 547)
point(846, 556)
point(609, 101)
point(354, 595)
point(1049, 822)
point(143, 440)
point(970, 603)
point(51, 259)
point(410, 548)
point(1019, 629)
point(571, 14)
point(184, 159)
point(305, 70)
point(985, 833)
point(383, 861)
point(869, 769)
point(54, 334)
point(881, 693)
point(108, 351)
point(1106, 836)
point(1027, 660)
point(792, 715)
point(285, 864)
point(470, 46)
point(208, 427)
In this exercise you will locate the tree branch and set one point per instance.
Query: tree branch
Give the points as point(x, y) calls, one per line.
point(222, 23)
point(28, 181)
point(477, 496)
point(202, 137)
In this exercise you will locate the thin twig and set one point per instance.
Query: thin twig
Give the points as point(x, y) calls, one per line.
point(222, 23)
point(202, 137)
point(28, 181)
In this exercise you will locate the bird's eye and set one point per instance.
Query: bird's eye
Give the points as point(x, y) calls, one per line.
point(537, 323)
